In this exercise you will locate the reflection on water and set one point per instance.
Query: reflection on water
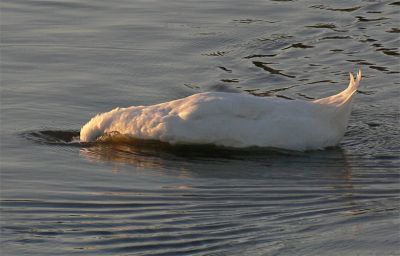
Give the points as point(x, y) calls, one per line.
point(122, 154)
point(142, 153)
point(117, 148)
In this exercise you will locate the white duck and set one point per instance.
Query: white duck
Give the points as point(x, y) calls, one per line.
point(233, 120)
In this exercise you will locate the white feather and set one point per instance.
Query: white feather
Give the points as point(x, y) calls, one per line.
point(233, 120)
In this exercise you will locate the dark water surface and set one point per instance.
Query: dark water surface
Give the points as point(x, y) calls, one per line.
point(64, 61)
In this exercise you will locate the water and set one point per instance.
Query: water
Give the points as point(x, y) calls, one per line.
point(64, 61)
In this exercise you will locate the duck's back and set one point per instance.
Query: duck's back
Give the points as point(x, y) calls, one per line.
point(225, 119)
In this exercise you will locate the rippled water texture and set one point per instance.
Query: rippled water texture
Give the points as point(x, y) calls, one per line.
point(64, 61)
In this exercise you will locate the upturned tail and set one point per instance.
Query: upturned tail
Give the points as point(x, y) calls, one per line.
point(344, 96)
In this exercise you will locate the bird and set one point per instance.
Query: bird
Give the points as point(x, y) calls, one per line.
point(233, 120)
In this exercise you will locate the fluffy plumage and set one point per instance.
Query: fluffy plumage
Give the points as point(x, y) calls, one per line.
point(233, 120)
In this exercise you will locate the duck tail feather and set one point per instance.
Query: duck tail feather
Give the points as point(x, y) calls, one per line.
point(345, 95)
point(354, 82)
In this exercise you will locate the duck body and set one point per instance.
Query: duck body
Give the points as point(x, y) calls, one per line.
point(233, 120)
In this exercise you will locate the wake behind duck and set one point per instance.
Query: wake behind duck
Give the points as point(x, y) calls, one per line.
point(233, 120)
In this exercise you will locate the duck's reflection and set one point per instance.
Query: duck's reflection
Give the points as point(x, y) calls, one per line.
point(217, 162)
point(120, 153)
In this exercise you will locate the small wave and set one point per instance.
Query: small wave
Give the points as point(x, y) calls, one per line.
point(53, 137)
